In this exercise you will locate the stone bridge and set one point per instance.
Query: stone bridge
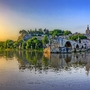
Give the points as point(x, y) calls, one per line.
point(64, 43)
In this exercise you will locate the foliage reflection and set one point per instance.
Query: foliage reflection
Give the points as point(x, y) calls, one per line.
point(43, 61)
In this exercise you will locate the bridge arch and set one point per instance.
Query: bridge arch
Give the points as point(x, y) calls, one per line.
point(68, 44)
point(82, 47)
point(77, 46)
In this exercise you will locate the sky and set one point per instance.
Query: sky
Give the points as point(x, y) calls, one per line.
point(15, 15)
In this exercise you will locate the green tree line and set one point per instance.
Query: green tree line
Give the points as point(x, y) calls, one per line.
point(34, 42)
point(39, 32)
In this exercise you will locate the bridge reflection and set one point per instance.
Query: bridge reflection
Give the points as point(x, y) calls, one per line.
point(45, 61)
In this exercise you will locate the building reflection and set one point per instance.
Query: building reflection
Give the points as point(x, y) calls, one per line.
point(40, 61)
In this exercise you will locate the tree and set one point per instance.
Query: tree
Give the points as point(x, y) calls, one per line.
point(40, 31)
point(46, 31)
point(45, 40)
point(18, 43)
point(33, 43)
point(67, 32)
point(29, 44)
point(23, 45)
point(56, 32)
point(9, 44)
point(1, 45)
point(75, 37)
point(23, 32)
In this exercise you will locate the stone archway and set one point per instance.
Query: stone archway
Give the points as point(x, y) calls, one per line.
point(77, 46)
point(82, 47)
point(85, 46)
point(68, 44)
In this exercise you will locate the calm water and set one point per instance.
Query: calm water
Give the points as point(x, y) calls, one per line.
point(37, 71)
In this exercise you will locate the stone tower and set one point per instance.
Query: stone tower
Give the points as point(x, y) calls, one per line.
point(87, 31)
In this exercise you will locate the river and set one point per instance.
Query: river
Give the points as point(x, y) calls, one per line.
point(23, 70)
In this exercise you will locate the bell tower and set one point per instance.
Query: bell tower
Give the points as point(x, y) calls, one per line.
point(87, 27)
point(87, 31)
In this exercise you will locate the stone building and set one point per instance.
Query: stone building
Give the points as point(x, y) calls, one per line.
point(87, 31)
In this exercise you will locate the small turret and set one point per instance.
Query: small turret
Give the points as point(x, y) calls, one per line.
point(87, 27)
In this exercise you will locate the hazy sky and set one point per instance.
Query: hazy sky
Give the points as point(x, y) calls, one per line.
point(15, 15)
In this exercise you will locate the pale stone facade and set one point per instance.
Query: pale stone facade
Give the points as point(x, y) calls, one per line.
point(62, 45)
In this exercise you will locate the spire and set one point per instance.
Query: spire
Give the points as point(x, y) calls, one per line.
point(87, 27)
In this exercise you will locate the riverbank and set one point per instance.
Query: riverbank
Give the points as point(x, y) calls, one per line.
point(48, 50)
point(39, 50)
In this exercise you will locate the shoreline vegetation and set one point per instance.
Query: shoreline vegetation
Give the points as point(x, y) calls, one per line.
point(37, 40)
point(29, 50)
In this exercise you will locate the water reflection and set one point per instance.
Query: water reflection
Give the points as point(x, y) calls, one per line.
point(7, 54)
point(43, 61)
